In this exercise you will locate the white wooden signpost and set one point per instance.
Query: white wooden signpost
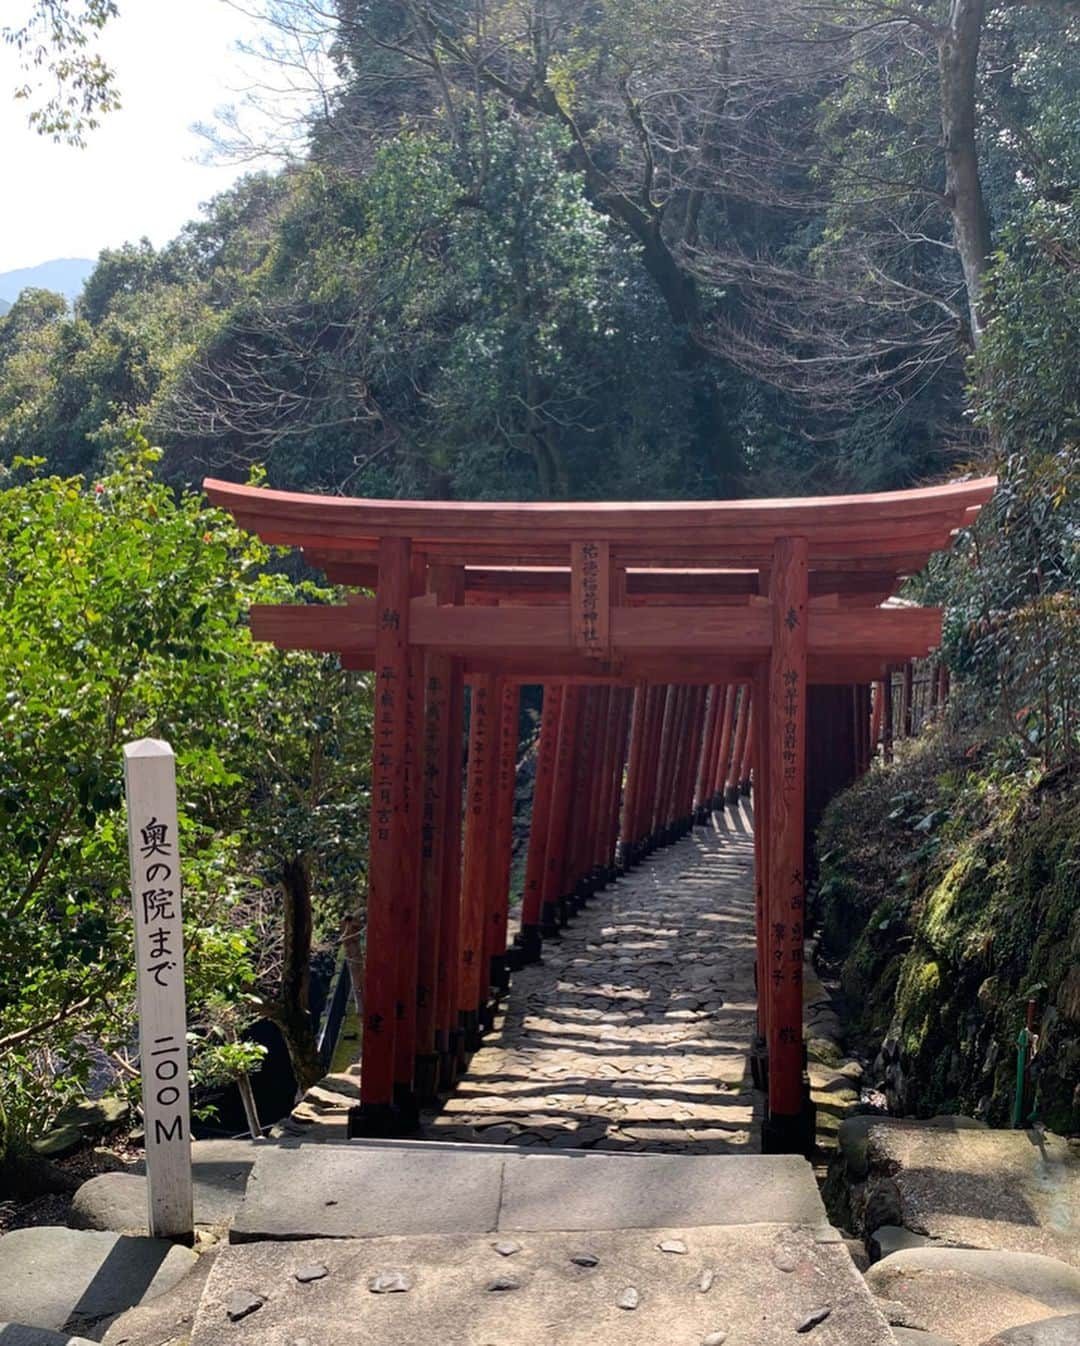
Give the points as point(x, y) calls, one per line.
point(150, 784)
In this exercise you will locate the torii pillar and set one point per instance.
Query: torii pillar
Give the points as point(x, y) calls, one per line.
point(789, 1125)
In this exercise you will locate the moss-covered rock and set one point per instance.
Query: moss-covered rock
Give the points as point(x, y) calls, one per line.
point(945, 929)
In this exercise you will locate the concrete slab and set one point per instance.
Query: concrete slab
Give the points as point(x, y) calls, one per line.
point(71, 1278)
point(462, 1292)
point(361, 1191)
point(369, 1189)
point(166, 1320)
point(1018, 1190)
point(612, 1191)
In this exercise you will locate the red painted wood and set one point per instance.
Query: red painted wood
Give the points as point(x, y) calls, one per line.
point(748, 746)
point(556, 863)
point(707, 756)
point(601, 748)
point(738, 746)
point(408, 907)
point(540, 823)
point(479, 813)
point(650, 749)
point(577, 828)
point(666, 758)
point(727, 732)
point(787, 797)
point(433, 834)
point(634, 782)
point(387, 870)
point(694, 744)
point(448, 987)
point(502, 832)
point(761, 805)
point(622, 751)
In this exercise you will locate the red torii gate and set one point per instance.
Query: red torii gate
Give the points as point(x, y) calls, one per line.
point(679, 646)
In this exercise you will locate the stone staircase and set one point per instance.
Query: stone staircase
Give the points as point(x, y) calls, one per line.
point(472, 1245)
point(395, 1242)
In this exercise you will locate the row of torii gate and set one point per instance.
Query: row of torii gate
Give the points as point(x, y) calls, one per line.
point(681, 648)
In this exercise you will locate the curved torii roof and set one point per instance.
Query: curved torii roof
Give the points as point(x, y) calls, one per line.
point(886, 531)
point(702, 567)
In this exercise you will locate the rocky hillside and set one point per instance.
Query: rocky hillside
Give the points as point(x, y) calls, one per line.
point(949, 893)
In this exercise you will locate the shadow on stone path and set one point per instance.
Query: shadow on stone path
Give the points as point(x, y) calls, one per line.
point(634, 1032)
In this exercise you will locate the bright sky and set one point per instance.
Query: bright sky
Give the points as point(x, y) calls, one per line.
point(139, 173)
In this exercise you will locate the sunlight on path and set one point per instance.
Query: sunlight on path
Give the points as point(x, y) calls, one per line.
point(634, 1032)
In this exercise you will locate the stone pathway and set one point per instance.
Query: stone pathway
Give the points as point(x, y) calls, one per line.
point(634, 1032)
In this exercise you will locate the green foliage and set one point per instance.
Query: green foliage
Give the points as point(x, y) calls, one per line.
point(121, 617)
point(943, 970)
point(1013, 630)
point(55, 38)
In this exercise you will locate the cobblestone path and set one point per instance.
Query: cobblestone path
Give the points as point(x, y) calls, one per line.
point(635, 1031)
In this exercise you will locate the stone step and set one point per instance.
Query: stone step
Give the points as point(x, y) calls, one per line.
point(970, 1295)
point(365, 1189)
point(678, 1286)
point(70, 1279)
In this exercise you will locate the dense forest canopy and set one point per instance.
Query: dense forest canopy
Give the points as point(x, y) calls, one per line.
point(612, 249)
point(530, 250)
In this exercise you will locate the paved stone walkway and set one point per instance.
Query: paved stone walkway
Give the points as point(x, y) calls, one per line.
point(634, 1032)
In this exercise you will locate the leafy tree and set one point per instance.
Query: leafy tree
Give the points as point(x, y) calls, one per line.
point(121, 612)
point(1014, 614)
point(416, 331)
point(55, 37)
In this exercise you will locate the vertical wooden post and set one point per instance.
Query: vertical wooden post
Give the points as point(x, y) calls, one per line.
point(625, 697)
point(654, 718)
point(449, 1039)
point(761, 804)
point(574, 884)
point(661, 715)
point(742, 723)
point(723, 755)
point(154, 855)
point(907, 702)
point(877, 716)
point(590, 790)
point(706, 755)
point(556, 881)
point(627, 854)
point(502, 834)
point(666, 765)
point(439, 756)
point(540, 823)
point(602, 788)
point(389, 840)
point(747, 752)
point(786, 1128)
point(408, 910)
point(479, 811)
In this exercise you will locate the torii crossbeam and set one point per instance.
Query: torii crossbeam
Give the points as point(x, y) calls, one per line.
point(677, 645)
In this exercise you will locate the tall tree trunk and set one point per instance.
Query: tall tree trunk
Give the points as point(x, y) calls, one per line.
point(292, 1013)
point(958, 59)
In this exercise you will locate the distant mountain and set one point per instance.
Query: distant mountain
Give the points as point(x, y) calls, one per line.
point(4, 306)
point(65, 276)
